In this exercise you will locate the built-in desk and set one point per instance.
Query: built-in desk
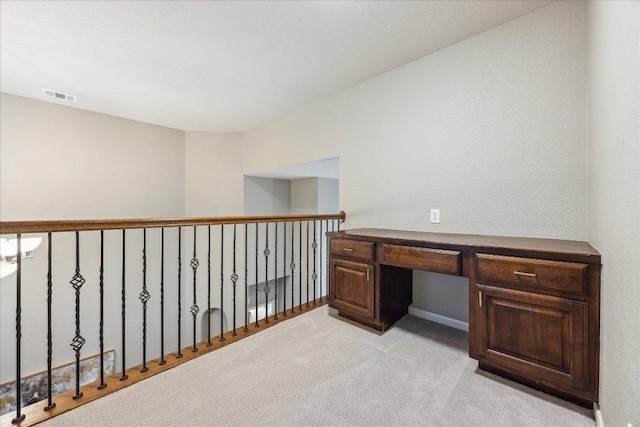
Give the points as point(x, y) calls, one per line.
point(534, 304)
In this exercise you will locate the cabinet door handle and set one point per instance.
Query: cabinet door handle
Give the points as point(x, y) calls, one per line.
point(480, 298)
point(347, 249)
point(367, 274)
point(521, 273)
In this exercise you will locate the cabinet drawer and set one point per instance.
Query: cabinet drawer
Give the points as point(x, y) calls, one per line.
point(437, 260)
point(531, 273)
point(353, 249)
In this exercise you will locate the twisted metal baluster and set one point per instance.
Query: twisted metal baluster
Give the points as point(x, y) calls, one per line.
point(144, 297)
point(256, 324)
point(307, 247)
point(78, 341)
point(275, 272)
point(50, 403)
point(314, 276)
point(162, 359)
point(194, 308)
point(293, 267)
point(179, 355)
point(101, 326)
point(266, 252)
point(222, 282)
point(246, 279)
point(300, 269)
point(19, 416)
point(209, 343)
point(284, 270)
point(321, 257)
point(124, 375)
point(234, 279)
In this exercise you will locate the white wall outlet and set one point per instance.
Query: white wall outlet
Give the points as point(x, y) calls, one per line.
point(435, 216)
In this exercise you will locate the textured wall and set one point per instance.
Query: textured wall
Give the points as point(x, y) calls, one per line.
point(491, 130)
point(60, 163)
point(614, 199)
point(213, 174)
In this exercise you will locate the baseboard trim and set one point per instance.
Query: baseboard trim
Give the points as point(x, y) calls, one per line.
point(598, 415)
point(444, 320)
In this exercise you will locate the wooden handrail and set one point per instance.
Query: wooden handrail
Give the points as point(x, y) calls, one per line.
point(24, 227)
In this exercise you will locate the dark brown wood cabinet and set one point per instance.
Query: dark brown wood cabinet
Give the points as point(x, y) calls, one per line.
point(353, 291)
point(534, 304)
point(540, 336)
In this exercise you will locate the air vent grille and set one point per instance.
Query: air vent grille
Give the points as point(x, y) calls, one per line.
point(59, 95)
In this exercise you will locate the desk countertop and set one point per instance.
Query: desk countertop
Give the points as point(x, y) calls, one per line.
point(581, 251)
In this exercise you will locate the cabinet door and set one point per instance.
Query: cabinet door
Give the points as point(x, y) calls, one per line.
point(537, 336)
point(352, 287)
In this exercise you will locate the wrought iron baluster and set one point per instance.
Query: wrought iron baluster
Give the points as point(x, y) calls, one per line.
point(307, 248)
point(124, 375)
point(246, 279)
point(314, 276)
point(50, 403)
point(275, 273)
point(300, 269)
point(320, 266)
point(194, 308)
point(293, 268)
point(19, 416)
point(209, 343)
point(256, 324)
point(234, 279)
point(101, 327)
point(162, 359)
point(78, 341)
point(221, 282)
point(266, 252)
point(144, 297)
point(179, 355)
point(327, 262)
point(284, 270)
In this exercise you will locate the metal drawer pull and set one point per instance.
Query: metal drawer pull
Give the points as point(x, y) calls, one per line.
point(520, 273)
point(347, 249)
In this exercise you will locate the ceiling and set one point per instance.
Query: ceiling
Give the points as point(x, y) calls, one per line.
point(222, 66)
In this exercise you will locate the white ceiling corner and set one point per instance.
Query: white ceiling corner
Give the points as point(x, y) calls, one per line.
point(222, 66)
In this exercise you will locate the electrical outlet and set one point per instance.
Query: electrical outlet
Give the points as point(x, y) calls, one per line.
point(435, 216)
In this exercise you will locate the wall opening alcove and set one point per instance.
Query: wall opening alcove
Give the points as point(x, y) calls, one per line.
point(214, 312)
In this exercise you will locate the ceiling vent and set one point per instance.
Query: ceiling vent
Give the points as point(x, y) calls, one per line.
point(59, 95)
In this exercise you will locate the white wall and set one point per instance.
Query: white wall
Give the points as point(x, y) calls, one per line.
point(304, 196)
point(328, 196)
point(60, 163)
point(266, 196)
point(213, 174)
point(614, 199)
point(491, 130)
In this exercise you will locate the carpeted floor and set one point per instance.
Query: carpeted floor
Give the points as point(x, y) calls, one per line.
point(319, 370)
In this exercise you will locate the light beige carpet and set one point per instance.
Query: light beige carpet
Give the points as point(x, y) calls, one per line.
point(318, 370)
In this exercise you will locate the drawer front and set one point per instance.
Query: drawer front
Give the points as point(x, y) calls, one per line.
point(437, 260)
point(532, 273)
point(355, 249)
